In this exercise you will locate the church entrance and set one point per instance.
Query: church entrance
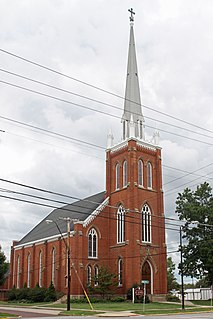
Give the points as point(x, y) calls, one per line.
point(146, 275)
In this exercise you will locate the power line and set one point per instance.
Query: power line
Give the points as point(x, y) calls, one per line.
point(100, 89)
point(98, 101)
point(71, 197)
point(95, 110)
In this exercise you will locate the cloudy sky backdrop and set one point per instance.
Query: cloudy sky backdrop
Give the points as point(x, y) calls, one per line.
point(88, 42)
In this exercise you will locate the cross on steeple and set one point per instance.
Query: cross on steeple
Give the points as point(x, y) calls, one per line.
point(131, 18)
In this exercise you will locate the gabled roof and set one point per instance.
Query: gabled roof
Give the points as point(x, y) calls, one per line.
point(81, 210)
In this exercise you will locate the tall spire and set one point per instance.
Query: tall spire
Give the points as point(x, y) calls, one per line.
point(132, 104)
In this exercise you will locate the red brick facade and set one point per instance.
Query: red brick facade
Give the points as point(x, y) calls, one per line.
point(140, 260)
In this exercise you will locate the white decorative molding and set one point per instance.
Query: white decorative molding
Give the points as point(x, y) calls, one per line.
point(96, 212)
point(42, 240)
point(148, 145)
point(118, 146)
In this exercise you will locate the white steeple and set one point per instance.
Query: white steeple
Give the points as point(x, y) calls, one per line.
point(132, 104)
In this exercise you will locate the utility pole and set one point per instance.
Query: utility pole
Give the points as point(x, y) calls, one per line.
point(181, 267)
point(68, 264)
point(67, 245)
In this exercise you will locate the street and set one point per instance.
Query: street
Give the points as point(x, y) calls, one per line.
point(49, 314)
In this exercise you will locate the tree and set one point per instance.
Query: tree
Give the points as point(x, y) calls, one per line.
point(4, 266)
point(104, 284)
point(203, 283)
point(198, 237)
point(171, 280)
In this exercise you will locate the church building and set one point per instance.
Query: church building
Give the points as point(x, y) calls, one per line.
point(121, 228)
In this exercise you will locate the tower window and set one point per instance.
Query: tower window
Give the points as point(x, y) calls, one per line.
point(140, 173)
point(120, 225)
point(92, 243)
point(146, 224)
point(149, 175)
point(117, 176)
point(125, 173)
point(120, 271)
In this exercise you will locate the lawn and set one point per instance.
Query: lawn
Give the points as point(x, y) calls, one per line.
point(202, 302)
point(117, 306)
point(5, 315)
point(83, 309)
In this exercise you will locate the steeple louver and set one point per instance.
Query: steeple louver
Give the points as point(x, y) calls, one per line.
point(132, 104)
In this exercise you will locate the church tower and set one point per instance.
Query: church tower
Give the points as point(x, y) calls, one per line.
point(134, 185)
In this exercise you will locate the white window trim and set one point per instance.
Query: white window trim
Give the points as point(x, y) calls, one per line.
point(149, 176)
point(125, 173)
point(146, 228)
point(120, 273)
point(89, 275)
point(117, 176)
point(40, 270)
point(140, 162)
point(120, 225)
point(93, 233)
point(53, 265)
point(28, 270)
point(18, 271)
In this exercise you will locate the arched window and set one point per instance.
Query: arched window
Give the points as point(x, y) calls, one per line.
point(89, 275)
point(120, 271)
point(18, 272)
point(146, 224)
point(92, 243)
point(140, 172)
point(149, 175)
point(96, 275)
point(120, 225)
point(28, 270)
point(53, 265)
point(40, 270)
point(117, 176)
point(124, 173)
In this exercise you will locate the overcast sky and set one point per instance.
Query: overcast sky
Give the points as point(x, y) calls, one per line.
point(88, 41)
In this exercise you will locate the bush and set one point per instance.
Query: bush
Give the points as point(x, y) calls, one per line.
point(50, 294)
point(37, 294)
point(118, 299)
point(170, 297)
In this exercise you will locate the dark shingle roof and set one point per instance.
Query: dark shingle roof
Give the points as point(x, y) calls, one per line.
point(79, 210)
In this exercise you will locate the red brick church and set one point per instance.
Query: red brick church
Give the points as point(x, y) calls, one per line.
point(122, 227)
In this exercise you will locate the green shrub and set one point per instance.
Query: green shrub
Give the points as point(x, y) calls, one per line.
point(37, 294)
point(170, 297)
point(118, 299)
point(11, 295)
point(50, 294)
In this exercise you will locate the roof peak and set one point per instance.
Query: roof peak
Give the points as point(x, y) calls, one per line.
point(132, 103)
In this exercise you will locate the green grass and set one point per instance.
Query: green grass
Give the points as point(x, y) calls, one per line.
point(5, 315)
point(118, 306)
point(202, 302)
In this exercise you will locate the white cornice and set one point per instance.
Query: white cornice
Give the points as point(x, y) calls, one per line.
point(96, 212)
point(42, 240)
point(139, 142)
point(148, 145)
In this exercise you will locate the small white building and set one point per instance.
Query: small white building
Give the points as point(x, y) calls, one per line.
point(196, 294)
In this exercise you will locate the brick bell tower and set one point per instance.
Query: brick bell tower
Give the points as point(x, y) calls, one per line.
point(137, 249)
